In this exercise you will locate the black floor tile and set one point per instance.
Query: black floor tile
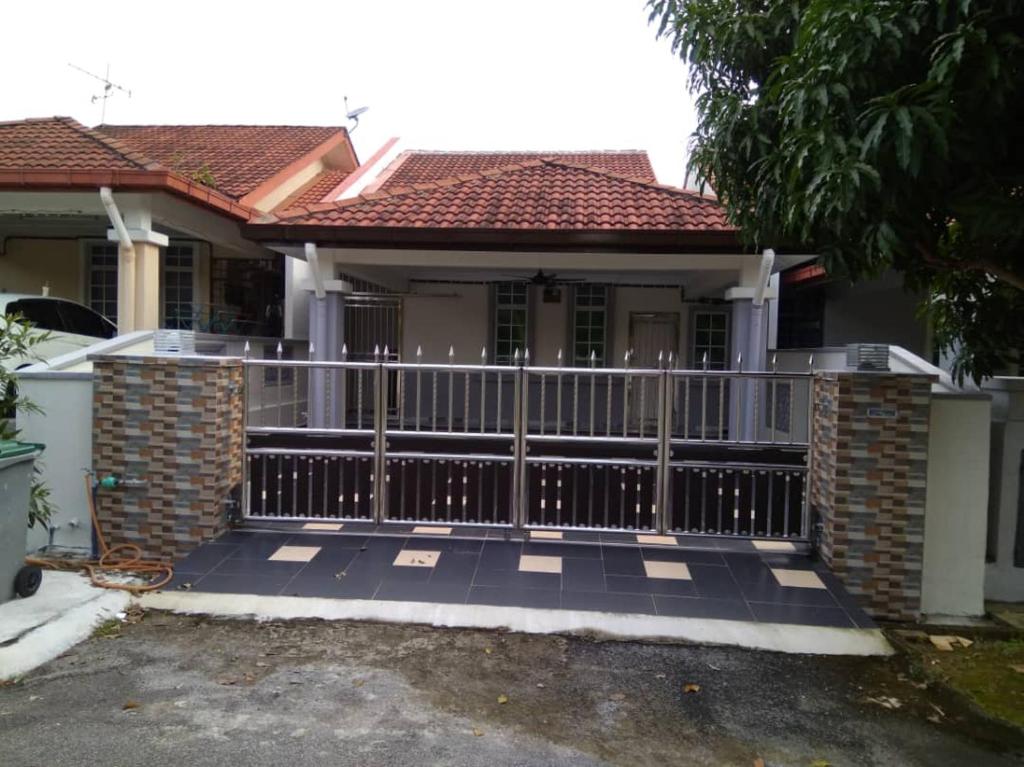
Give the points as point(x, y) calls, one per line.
point(500, 555)
point(231, 566)
point(583, 575)
point(605, 602)
point(747, 567)
point(418, 591)
point(236, 537)
point(181, 581)
point(330, 560)
point(763, 591)
point(562, 549)
point(260, 546)
point(455, 568)
point(514, 597)
point(619, 537)
point(516, 579)
point(622, 561)
point(348, 587)
point(713, 581)
point(805, 615)
point(690, 607)
point(328, 540)
point(631, 584)
point(231, 583)
point(453, 545)
point(205, 558)
point(406, 574)
point(695, 556)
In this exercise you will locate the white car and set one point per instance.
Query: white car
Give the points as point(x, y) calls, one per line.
point(71, 325)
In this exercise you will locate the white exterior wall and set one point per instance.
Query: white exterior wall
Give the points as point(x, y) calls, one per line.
point(437, 323)
point(1003, 581)
point(956, 506)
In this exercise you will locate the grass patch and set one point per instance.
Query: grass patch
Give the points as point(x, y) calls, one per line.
point(990, 672)
point(109, 629)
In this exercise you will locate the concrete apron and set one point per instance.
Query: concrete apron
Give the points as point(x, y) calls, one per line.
point(777, 637)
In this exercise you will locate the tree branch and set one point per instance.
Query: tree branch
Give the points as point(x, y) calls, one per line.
point(977, 265)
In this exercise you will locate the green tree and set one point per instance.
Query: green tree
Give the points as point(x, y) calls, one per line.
point(18, 342)
point(881, 133)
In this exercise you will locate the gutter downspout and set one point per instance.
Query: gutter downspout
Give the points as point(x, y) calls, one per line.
point(126, 264)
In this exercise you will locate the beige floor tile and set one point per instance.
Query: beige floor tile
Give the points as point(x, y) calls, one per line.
point(294, 553)
point(547, 535)
point(657, 540)
point(801, 579)
point(676, 571)
point(534, 563)
point(774, 546)
point(431, 530)
point(416, 558)
point(332, 526)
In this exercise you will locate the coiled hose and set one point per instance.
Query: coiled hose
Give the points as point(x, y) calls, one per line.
point(123, 558)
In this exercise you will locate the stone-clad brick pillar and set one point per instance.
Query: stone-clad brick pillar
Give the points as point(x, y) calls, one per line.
point(869, 461)
point(175, 423)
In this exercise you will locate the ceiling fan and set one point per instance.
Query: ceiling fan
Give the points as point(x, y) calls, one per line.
point(545, 280)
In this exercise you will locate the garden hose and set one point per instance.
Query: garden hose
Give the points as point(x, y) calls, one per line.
point(123, 558)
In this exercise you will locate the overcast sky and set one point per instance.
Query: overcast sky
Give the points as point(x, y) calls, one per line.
point(442, 74)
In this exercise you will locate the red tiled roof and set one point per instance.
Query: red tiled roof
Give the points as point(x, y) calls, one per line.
point(53, 143)
point(315, 190)
point(533, 195)
point(417, 167)
point(240, 157)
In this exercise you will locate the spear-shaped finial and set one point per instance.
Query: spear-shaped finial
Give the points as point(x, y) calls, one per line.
point(515, 357)
point(704, 361)
point(344, 352)
point(671, 360)
point(419, 355)
point(280, 350)
point(483, 355)
point(775, 362)
point(526, 357)
point(451, 355)
point(593, 358)
point(559, 358)
point(739, 362)
point(810, 364)
point(661, 358)
point(625, 359)
point(376, 352)
point(312, 349)
point(247, 350)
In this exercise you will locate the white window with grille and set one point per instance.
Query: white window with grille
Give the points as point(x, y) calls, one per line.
point(179, 286)
point(511, 318)
point(711, 337)
point(589, 324)
point(101, 278)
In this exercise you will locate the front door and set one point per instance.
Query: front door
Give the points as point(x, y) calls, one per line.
point(652, 334)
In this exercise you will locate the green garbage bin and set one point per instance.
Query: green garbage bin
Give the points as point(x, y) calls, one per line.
point(16, 462)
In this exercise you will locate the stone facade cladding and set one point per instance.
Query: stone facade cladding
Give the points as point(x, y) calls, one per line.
point(869, 462)
point(176, 424)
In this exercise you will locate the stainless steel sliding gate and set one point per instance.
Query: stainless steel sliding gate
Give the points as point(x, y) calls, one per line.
point(685, 451)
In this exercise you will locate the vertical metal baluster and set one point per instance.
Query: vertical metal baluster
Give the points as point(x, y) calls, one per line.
point(636, 524)
point(341, 488)
point(264, 470)
point(497, 418)
point(608, 407)
point(494, 491)
point(401, 493)
point(575, 402)
point(465, 484)
point(359, 398)
point(771, 503)
point(356, 471)
point(721, 408)
point(418, 510)
point(483, 388)
point(344, 387)
point(718, 502)
point(448, 493)
point(785, 517)
point(558, 496)
point(419, 386)
point(625, 395)
point(775, 409)
point(736, 502)
point(480, 493)
point(685, 381)
point(737, 390)
point(643, 403)
point(433, 490)
point(622, 497)
point(704, 399)
point(543, 494)
point(590, 495)
point(558, 401)
point(309, 486)
point(295, 486)
point(606, 472)
point(688, 524)
point(451, 390)
point(465, 401)
point(756, 419)
point(792, 411)
point(704, 501)
point(593, 390)
point(543, 407)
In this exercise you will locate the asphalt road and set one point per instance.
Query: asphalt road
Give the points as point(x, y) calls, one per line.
point(174, 690)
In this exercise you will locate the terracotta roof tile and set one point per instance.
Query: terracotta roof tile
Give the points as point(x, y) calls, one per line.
point(545, 195)
point(240, 157)
point(418, 166)
point(63, 143)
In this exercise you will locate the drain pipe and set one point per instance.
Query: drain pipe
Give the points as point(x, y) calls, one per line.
point(126, 264)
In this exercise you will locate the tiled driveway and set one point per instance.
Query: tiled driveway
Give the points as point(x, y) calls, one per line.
point(725, 579)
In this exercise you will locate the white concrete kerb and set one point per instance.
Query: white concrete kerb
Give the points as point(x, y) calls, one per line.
point(776, 637)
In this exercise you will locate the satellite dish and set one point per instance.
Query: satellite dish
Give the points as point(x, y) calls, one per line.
point(353, 115)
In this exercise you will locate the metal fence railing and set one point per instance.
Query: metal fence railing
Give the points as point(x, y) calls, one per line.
point(660, 450)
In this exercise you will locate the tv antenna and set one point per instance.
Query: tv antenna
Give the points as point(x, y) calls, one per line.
point(108, 89)
point(353, 115)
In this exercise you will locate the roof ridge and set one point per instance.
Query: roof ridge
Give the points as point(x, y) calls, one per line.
point(218, 125)
point(402, 191)
point(537, 152)
point(125, 150)
point(636, 180)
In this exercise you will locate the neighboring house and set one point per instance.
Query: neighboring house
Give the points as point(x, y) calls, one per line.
point(817, 310)
point(582, 252)
point(181, 192)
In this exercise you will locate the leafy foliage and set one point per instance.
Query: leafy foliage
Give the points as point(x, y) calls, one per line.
point(881, 133)
point(18, 342)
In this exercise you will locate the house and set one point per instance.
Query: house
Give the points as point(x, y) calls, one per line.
point(179, 194)
point(490, 252)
